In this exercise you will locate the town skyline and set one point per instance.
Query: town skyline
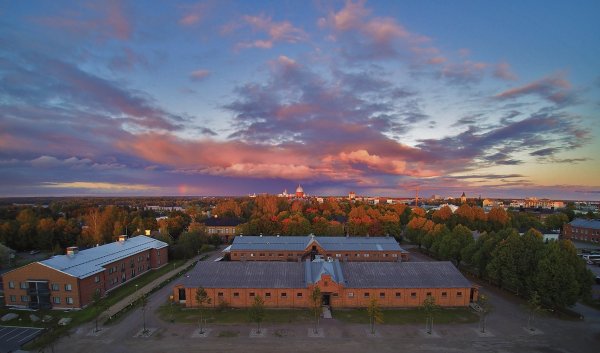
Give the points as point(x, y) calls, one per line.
point(234, 98)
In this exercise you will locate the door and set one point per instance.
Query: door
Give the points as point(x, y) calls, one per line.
point(326, 299)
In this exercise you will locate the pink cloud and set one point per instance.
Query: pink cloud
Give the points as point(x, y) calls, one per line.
point(503, 71)
point(276, 32)
point(199, 75)
point(108, 20)
point(555, 88)
point(194, 13)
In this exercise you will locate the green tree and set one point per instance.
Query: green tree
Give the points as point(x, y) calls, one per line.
point(503, 267)
point(453, 243)
point(202, 299)
point(257, 311)
point(429, 307)
point(375, 314)
point(555, 278)
point(316, 301)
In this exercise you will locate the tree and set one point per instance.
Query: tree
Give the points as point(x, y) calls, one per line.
point(257, 311)
point(202, 299)
point(96, 297)
point(144, 303)
point(484, 309)
point(534, 306)
point(375, 314)
point(453, 243)
point(429, 307)
point(316, 301)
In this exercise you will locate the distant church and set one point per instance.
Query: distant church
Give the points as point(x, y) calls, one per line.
point(299, 191)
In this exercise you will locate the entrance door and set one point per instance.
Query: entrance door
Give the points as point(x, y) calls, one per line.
point(182, 295)
point(326, 299)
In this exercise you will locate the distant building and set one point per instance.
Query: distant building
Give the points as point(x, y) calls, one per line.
point(533, 202)
point(299, 191)
point(463, 198)
point(582, 229)
point(342, 284)
point(295, 248)
point(70, 281)
point(351, 195)
point(223, 227)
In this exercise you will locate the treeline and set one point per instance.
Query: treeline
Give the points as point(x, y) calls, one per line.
point(523, 264)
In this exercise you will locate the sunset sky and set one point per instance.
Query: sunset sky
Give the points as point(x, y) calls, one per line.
point(234, 97)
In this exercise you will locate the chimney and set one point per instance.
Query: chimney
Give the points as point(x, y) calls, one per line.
point(72, 250)
point(122, 238)
point(148, 232)
point(260, 235)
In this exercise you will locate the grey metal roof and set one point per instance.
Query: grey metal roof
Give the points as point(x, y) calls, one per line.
point(90, 261)
point(315, 269)
point(403, 275)
point(242, 274)
point(585, 223)
point(299, 243)
point(256, 274)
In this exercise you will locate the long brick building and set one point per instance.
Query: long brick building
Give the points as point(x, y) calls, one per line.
point(299, 248)
point(583, 229)
point(69, 281)
point(342, 284)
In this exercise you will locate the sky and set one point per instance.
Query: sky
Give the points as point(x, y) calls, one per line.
point(226, 97)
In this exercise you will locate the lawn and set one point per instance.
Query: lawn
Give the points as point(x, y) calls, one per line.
point(231, 316)
point(408, 316)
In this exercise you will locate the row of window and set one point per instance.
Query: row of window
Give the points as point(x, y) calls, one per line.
point(585, 231)
point(398, 295)
point(54, 286)
point(219, 230)
point(55, 300)
point(329, 255)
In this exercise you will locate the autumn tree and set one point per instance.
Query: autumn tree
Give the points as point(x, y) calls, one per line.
point(202, 299)
point(442, 215)
point(257, 311)
point(498, 218)
point(375, 314)
point(316, 301)
point(228, 208)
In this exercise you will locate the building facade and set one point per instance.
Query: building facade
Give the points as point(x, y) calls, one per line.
point(299, 248)
point(223, 227)
point(583, 230)
point(342, 285)
point(70, 281)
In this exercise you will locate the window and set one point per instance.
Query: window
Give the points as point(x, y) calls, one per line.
point(267, 295)
point(280, 255)
point(284, 295)
point(13, 298)
point(261, 254)
point(394, 255)
point(459, 294)
point(69, 300)
point(11, 284)
point(23, 285)
point(398, 295)
point(24, 298)
point(382, 295)
point(299, 295)
point(429, 294)
point(366, 255)
point(220, 294)
point(68, 287)
point(350, 295)
point(444, 294)
point(251, 254)
point(56, 300)
point(55, 287)
point(413, 295)
point(366, 294)
point(338, 255)
point(236, 294)
point(97, 279)
point(252, 294)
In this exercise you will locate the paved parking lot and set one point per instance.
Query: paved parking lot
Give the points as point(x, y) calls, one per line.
point(11, 337)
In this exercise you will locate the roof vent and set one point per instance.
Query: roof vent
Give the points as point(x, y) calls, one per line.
point(122, 238)
point(260, 235)
point(277, 235)
point(72, 250)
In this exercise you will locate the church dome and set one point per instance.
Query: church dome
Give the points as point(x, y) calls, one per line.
point(299, 188)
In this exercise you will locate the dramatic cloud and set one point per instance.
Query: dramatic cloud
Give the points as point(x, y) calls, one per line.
point(504, 72)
